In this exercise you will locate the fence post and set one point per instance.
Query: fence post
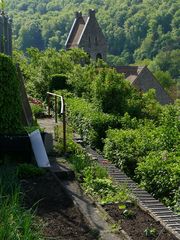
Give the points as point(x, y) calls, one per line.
point(64, 126)
point(49, 102)
point(55, 109)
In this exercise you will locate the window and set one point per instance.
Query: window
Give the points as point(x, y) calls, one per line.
point(98, 56)
point(96, 41)
point(89, 41)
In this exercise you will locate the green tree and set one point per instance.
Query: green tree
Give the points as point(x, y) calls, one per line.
point(109, 91)
point(164, 78)
point(30, 36)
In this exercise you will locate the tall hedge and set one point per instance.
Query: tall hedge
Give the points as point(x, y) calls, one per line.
point(10, 102)
point(58, 81)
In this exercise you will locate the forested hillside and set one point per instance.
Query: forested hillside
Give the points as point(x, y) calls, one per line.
point(136, 30)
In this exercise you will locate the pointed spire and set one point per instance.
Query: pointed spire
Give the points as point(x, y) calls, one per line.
point(78, 14)
point(92, 13)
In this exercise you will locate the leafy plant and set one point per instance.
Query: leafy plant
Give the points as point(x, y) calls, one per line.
point(79, 162)
point(176, 202)
point(29, 170)
point(37, 110)
point(110, 91)
point(120, 194)
point(150, 232)
point(95, 179)
point(159, 174)
point(90, 123)
point(122, 206)
point(127, 147)
point(97, 183)
point(2, 4)
point(129, 214)
point(58, 132)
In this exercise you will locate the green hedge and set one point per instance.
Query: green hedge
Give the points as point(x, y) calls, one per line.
point(159, 173)
point(127, 147)
point(10, 102)
point(90, 123)
point(58, 81)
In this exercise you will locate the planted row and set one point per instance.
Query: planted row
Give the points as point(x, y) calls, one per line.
point(89, 121)
point(127, 147)
point(150, 154)
point(95, 180)
point(159, 173)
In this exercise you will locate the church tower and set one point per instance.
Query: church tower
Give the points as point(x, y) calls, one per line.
point(86, 33)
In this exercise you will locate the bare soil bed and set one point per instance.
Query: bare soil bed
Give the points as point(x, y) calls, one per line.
point(137, 223)
point(59, 217)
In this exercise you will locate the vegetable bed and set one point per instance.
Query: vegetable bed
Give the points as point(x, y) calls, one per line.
point(137, 223)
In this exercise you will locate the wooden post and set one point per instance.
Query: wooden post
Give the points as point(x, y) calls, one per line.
point(55, 109)
point(64, 128)
point(49, 102)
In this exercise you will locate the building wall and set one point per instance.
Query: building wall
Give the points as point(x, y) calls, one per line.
point(146, 81)
point(93, 40)
point(5, 34)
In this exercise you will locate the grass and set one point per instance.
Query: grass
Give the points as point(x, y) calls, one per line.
point(58, 131)
point(16, 223)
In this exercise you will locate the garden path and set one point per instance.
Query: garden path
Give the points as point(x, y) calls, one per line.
point(85, 205)
point(168, 219)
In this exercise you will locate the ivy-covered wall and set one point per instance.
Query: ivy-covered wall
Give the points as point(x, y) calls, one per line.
point(10, 100)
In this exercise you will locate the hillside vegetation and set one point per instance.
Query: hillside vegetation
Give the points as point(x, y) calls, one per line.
point(138, 31)
point(134, 28)
point(131, 128)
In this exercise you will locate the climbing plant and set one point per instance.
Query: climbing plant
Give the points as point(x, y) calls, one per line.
point(2, 40)
point(2, 4)
point(10, 102)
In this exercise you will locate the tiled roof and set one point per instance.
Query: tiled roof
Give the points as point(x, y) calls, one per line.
point(129, 70)
point(77, 31)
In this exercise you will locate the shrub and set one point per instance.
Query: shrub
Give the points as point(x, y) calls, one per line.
point(127, 147)
point(80, 79)
point(10, 101)
point(170, 122)
point(110, 91)
point(90, 123)
point(159, 173)
point(37, 110)
point(58, 81)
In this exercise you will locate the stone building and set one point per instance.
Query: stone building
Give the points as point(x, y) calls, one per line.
point(142, 79)
point(86, 33)
point(5, 34)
